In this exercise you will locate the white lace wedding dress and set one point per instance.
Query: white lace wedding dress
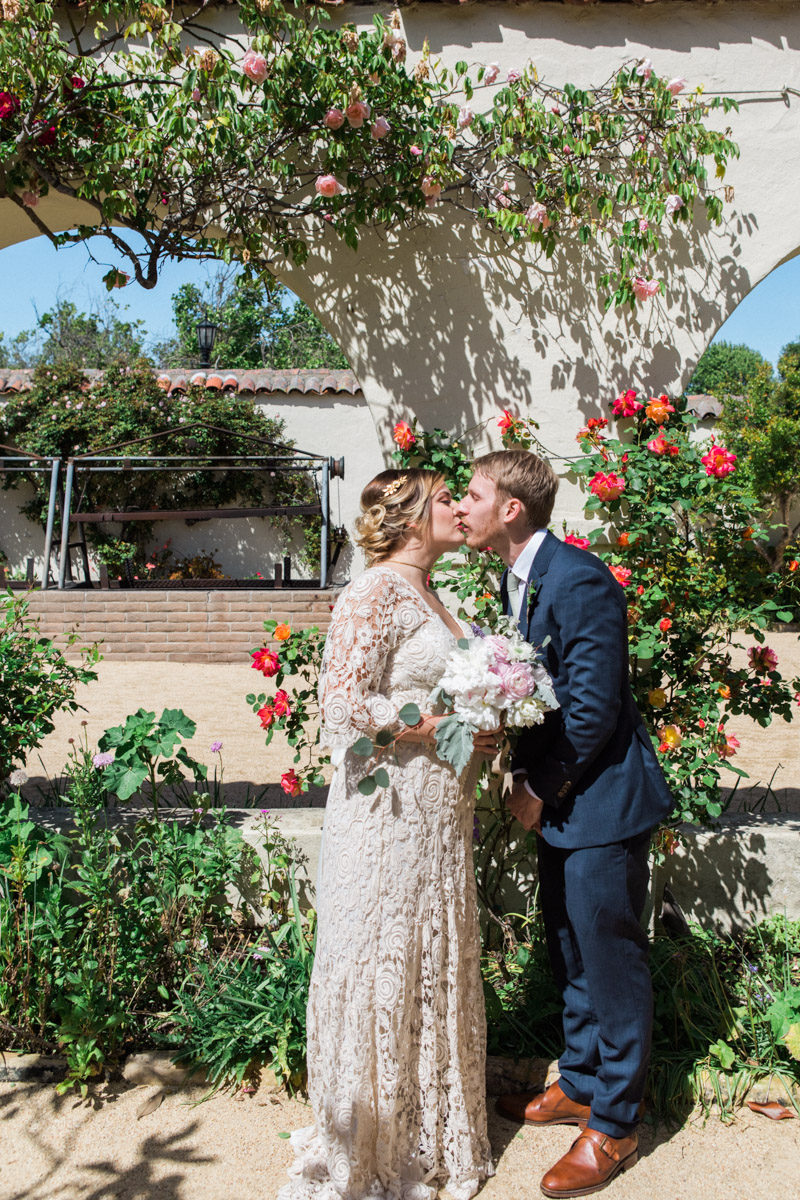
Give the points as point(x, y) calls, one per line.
point(396, 1027)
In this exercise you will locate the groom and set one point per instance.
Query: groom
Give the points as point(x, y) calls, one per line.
point(588, 782)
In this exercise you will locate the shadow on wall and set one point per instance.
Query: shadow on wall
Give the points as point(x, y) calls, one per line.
point(742, 870)
point(493, 25)
point(450, 324)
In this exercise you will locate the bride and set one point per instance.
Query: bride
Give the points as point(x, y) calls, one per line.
point(396, 1027)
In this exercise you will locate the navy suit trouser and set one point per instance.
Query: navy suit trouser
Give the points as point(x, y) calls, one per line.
point(592, 902)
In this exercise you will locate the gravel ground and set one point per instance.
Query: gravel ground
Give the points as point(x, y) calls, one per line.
point(61, 1148)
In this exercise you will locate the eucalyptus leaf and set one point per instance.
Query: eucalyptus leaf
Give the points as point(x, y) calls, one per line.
point(382, 777)
point(368, 785)
point(409, 714)
point(364, 747)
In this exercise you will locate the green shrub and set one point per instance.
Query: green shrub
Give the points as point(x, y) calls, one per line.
point(36, 682)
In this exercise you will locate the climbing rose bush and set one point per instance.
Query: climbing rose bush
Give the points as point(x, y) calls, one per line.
point(681, 533)
point(128, 109)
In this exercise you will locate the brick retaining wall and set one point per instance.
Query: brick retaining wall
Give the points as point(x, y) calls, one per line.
point(179, 626)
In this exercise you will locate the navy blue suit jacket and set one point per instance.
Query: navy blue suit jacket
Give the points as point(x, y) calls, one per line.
point(592, 761)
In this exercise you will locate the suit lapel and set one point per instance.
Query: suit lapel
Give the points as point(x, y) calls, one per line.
point(539, 568)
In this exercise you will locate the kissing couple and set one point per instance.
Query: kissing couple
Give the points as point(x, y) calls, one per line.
point(396, 1023)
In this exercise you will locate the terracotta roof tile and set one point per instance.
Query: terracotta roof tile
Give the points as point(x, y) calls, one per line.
point(305, 380)
point(703, 405)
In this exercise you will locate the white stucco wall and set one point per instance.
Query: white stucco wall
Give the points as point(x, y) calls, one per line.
point(444, 323)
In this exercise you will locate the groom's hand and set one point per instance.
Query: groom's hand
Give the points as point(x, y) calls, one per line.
point(525, 807)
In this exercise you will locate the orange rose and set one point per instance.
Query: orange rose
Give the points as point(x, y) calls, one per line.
point(658, 409)
point(282, 632)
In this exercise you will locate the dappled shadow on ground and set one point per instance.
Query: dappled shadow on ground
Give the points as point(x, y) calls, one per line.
point(64, 1164)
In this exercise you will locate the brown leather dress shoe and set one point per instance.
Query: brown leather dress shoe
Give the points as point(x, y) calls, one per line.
point(591, 1162)
point(550, 1107)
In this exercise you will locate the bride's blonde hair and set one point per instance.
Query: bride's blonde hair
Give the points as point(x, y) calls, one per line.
point(390, 504)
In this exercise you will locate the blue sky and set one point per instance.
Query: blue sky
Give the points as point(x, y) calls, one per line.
point(33, 275)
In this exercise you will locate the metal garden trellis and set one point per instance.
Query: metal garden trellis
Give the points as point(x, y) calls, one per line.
point(279, 458)
point(20, 462)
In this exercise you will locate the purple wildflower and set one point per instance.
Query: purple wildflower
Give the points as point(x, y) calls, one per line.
point(103, 760)
point(216, 746)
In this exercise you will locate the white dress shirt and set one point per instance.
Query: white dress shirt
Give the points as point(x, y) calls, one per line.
point(518, 574)
point(520, 570)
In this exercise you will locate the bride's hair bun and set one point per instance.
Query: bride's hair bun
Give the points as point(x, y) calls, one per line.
point(390, 503)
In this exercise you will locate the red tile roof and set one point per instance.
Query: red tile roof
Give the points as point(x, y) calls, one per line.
point(256, 382)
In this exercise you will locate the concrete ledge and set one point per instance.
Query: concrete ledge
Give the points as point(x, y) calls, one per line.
point(745, 869)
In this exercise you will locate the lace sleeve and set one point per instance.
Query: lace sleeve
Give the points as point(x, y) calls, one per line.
point(368, 620)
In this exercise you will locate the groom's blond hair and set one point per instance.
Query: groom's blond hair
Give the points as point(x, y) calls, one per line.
point(520, 475)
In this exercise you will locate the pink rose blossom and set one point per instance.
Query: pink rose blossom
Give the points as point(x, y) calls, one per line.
point(573, 539)
point(380, 128)
point(465, 117)
point(621, 574)
point(491, 72)
point(607, 485)
point(415, 150)
point(254, 66)
point(266, 661)
point(280, 704)
point(762, 659)
point(644, 225)
point(660, 445)
point(499, 648)
point(290, 783)
point(626, 404)
point(538, 216)
point(645, 69)
point(729, 747)
point(516, 679)
point(676, 85)
point(672, 204)
point(333, 119)
point(403, 435)
point(513, 75)
point(719, 462)
point(645, 289)
point(357, 113)
point(328, 185)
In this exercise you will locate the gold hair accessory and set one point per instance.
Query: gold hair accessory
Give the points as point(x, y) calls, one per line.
point(394, 486)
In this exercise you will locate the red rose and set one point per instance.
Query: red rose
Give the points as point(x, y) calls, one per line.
point(9, 104)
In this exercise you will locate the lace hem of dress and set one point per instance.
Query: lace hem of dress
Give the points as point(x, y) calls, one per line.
point(310, 1179)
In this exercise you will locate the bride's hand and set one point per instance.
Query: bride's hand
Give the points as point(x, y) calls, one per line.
point(424, 732)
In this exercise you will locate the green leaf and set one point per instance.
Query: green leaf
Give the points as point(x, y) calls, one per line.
point(368, 785)
point(382, 777)
point(364, 747)
point(723, 1053)
point(410, 715)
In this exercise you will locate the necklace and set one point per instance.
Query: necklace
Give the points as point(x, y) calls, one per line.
point(401, 562)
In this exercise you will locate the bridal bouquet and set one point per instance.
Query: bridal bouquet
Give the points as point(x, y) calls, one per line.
point(490, 680)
